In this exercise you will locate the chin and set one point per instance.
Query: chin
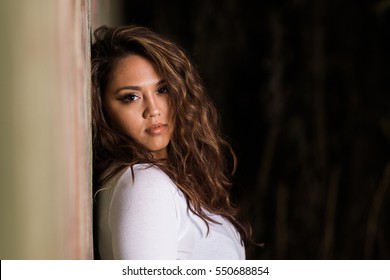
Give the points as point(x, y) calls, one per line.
point(158, 152)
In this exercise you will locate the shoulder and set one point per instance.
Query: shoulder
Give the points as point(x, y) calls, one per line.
point(142, 215)
point(145, 173)
point(150, 173)
point(145, 179)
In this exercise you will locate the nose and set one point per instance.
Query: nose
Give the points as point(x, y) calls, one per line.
point(152, 109)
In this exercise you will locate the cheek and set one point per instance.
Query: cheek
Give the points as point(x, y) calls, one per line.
point(169, 111)
point(124, 121)
point(130, 125)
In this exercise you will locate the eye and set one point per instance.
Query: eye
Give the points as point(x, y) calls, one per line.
point(162, 90)
point(126, 98)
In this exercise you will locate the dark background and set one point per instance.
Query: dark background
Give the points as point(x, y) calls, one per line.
point(303, 92)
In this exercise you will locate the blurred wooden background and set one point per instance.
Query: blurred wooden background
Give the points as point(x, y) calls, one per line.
point(303, 90)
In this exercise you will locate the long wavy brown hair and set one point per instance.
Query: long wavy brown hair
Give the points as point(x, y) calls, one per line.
point(200, 162)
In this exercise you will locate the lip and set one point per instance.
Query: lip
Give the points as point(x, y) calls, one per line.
point(156, 129)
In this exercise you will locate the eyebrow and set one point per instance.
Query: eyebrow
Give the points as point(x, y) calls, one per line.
point(138, 88)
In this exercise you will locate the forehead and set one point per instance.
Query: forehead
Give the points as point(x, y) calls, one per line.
point(133, 67)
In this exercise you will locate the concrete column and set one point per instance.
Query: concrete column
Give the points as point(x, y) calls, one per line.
point(45, 144)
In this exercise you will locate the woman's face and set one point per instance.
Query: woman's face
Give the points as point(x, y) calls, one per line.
point(137, 104)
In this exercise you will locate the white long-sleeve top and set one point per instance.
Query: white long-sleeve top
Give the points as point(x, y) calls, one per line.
point(148, 218)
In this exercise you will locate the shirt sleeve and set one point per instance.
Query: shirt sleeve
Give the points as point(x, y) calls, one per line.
point(143, 218)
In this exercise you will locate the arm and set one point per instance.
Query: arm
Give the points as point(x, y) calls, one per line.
point(143, 216)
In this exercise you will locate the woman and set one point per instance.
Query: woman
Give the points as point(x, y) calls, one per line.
point(160, 174)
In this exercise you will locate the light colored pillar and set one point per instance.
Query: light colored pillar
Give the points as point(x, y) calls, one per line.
point(45, 144)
